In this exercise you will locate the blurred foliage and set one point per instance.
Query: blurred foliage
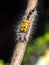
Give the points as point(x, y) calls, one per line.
point(1, 62)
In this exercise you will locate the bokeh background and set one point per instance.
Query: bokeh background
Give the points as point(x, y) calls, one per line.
point(38, 47)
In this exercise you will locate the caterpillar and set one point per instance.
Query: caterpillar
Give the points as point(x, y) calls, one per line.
point(25, 26)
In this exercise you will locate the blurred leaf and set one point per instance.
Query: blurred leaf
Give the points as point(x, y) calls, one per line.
point(46, 36)
point(1, 62)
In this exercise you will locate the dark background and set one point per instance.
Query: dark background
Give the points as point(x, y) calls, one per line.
point(9, 12)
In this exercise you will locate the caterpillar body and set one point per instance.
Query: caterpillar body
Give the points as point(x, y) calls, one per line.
point(25, 26)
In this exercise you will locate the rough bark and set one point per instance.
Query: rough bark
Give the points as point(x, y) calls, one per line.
point(18, 53)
